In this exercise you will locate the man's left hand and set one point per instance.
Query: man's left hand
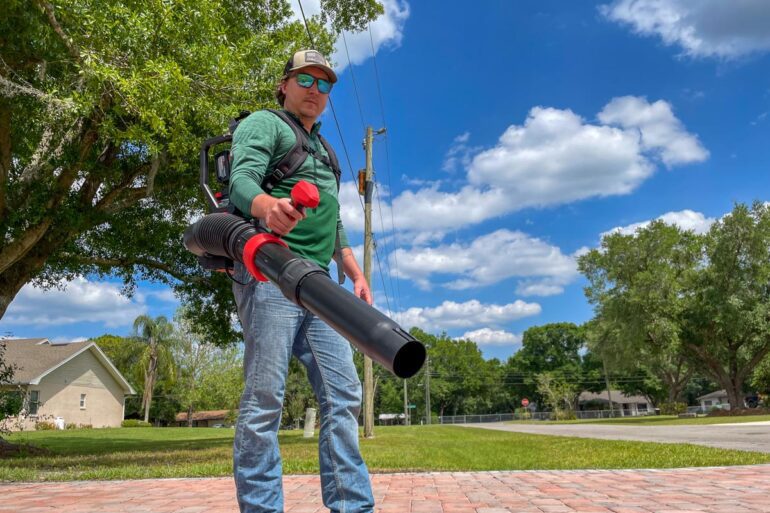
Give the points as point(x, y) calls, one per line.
point(361, 289)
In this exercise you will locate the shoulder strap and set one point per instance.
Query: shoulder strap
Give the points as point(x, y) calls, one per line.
point(334, 163)
point(293, 158)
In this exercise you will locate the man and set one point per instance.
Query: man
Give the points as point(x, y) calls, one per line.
point(274, 328)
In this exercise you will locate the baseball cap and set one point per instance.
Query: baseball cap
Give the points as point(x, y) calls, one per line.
point(308, 58)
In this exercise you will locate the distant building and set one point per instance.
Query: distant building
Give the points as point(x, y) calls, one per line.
point(211, 418)
point(626, 405)
point(717, 399)
point(74, 382)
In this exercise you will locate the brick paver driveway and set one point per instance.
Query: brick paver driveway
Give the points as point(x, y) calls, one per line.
point(723, 490)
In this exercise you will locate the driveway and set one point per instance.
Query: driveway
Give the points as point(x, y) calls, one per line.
point(706, 490)
point(752, 436)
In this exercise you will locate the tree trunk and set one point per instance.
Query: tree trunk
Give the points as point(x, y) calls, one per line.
point(149, 384)
point(190, 415)
point(18, 274)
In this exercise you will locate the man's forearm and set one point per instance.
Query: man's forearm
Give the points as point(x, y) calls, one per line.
point(350, 266)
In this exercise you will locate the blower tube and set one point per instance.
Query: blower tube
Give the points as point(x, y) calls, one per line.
point(307, 285)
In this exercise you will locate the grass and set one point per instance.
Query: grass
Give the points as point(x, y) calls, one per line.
point(135, 453)
point(657, 420)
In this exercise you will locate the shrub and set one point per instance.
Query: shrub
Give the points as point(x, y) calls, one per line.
point(135, 423)
point(672, 408)
point(70, 425)
point(85, 426)
point(42, 425)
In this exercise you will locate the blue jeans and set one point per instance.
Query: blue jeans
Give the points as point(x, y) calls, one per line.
point(274, 328)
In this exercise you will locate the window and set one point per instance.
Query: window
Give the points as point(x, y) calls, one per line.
point(34, 401)
point(82, 401)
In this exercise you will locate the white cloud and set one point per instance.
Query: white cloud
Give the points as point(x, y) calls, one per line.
point(702, 28)
point(488, 259)
point(684, 219)
point(79, 300)
point(661, 132)
point(555, 157)
point(472, 313)
point(459, 154)
point(387, 31)
point(490, 337)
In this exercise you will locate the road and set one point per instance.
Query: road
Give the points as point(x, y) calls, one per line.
point(752, 436)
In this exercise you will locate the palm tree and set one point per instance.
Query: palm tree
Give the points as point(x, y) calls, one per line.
point(157, 335)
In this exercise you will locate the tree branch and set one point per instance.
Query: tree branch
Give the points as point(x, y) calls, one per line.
point(12, 253)
point(146, 262)
point(72, 48)
point(5, 152)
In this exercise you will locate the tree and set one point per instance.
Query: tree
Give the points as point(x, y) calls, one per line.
point(157, 337)
point(727, 324)
point(194, 359)
point(639, 287)
point(11, 401)
point(459, 382)
point(103, 106)
point(555, 349)
point(558, 393)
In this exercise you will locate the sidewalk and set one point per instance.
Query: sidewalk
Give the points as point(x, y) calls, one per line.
point(724, 490)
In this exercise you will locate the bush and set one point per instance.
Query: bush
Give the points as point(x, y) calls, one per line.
point(673, 408)
point(560, 414)
point(70, 425)
point(42, 425)
point(135, 423)
point(738, 412)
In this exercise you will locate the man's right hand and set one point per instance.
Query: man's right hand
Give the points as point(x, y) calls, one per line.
point(279, 214)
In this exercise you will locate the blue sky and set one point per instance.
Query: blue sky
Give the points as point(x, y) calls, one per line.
point(518, 133)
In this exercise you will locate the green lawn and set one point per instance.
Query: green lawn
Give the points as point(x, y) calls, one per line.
point(656, 420)
point(132, 453)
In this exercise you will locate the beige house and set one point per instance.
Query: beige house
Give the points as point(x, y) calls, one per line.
point(627, 406)
point(75, 382)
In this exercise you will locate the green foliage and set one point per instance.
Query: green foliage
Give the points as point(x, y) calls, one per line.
point(638, 284)
point(103, 106)
point(157, 336)
point(557, 350)
point(461, 381)
point(728, 322)
point(129, 423)
point(558, 393)
point(43, 425)
point(11, 401)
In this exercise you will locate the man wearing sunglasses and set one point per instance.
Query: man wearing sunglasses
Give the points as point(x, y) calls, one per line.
point(274, 328)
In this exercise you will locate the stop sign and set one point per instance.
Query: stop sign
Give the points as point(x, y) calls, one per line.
point(525, 402)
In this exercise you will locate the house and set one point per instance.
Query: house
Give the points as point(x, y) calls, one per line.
point(211, 418)
point(74, 381)
point(717, 399)
point(625, 405)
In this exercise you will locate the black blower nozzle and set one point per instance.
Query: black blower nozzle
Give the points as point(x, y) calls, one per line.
point(307, 285)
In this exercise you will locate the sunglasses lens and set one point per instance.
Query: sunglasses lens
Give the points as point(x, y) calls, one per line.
point(305, 80)
point(324, 86)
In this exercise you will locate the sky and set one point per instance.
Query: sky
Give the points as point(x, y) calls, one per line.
point(517, 134)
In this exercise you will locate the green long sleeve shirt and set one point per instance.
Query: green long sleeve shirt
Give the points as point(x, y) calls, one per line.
point(259, 143)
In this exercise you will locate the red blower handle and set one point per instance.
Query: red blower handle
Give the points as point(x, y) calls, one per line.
point(305, 194)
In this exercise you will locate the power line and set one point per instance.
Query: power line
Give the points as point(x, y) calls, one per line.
point(397, 289)
point(331, 104)
point(355, 87)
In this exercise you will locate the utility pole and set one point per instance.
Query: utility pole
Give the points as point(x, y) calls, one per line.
point(406, 406)
point(427, 390)
point(367, 189)
point(607, 384)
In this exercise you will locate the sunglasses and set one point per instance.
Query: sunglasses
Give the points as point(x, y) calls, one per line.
point(306, 81)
